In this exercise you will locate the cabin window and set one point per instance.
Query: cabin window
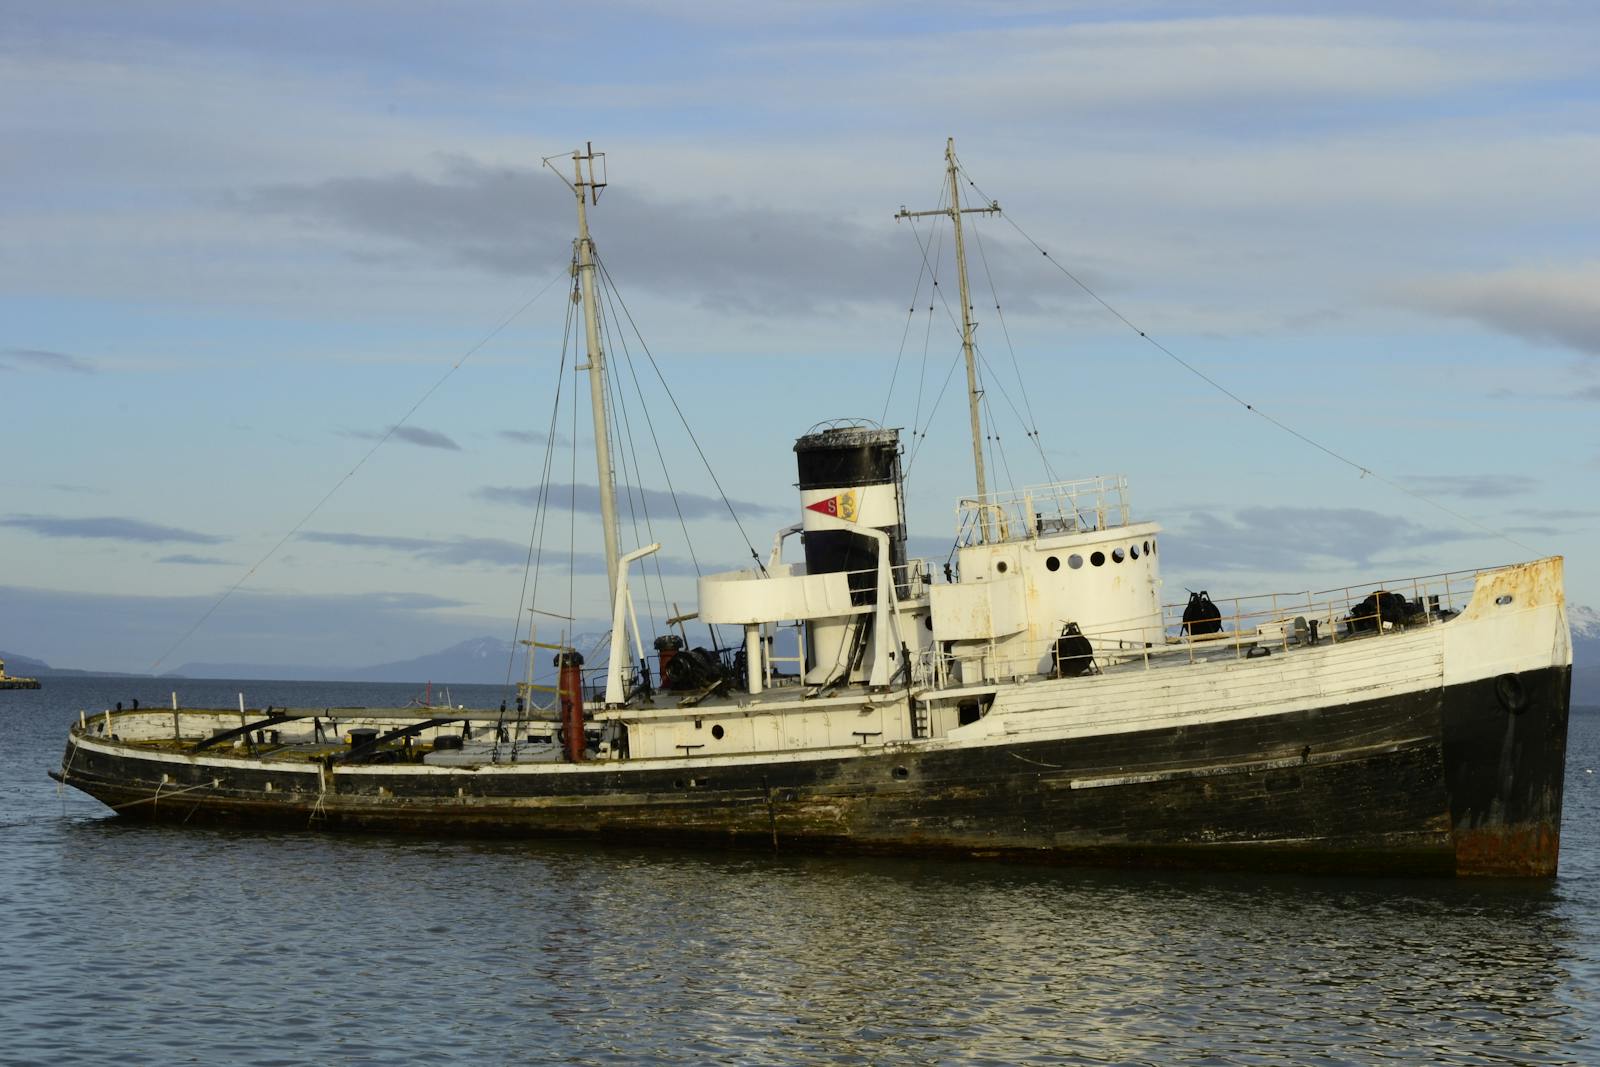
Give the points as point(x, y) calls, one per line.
point(1117, 555)
point(1051, 563)
point(1000, 568)
point(1098, 559)
point(1133, 551)
point(1147, 548)
point(1075, 561)
point(717, 731)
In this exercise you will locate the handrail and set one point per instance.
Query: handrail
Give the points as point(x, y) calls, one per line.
point(1098, 503)
point(1270, 619)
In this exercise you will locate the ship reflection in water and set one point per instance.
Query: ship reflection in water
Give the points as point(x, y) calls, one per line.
point(660, 956)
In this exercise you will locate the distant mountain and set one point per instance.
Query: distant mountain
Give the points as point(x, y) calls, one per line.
point(28, 667)
point(1585, 624)
point(481, 660)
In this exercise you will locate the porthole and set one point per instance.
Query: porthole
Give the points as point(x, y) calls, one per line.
point(901, 773)
point(1098, 559)
point(1117, 555)
point(1133, 551)
point(1074, 561)
point(717, 731)
point(928, 622)
point(1147, 548)
point(1000, 568)
point(1152, 546)
point(1051, 563)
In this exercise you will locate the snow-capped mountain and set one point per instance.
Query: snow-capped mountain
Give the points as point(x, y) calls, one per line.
point(1585, 623)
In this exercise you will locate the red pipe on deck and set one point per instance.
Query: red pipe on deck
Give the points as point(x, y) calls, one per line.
point(571, 686)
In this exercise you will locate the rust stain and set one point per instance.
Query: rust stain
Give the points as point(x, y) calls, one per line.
point(1525, 851)
point(1528, 584)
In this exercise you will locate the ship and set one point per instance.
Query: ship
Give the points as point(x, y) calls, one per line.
point(11, 681)
point(1031, 700)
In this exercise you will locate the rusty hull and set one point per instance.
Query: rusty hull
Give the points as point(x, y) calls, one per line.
point(1438, 782)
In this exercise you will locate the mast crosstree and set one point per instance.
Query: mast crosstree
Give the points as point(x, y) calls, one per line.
point(974, 394)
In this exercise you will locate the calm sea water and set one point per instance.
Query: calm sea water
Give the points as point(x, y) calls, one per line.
point(139, 944)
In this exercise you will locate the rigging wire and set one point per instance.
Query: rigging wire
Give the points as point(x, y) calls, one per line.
point(905, 334)
point(937, 400)
point(983, 363)
point(1360, 469)
point(638, 466)
point(661, 456)
point(634, 481)
point(996, 449)
point(541, 505)
point(1030, 425)
point(919, 429)
point(390, 432)
point(684, 420)
point(541, 516)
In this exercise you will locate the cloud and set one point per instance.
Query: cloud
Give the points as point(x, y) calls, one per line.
point(458, 550)
point(1470, 486)
point(1591, 392)
point(198, 561)
point(109, 529)
point(492, 551)
point(1559, 305)
point(534, 437)
point(1294, 539)
point(411, 435)
point(585, 499)
point(767, 259)
point(1559, 514)
point(38, 359)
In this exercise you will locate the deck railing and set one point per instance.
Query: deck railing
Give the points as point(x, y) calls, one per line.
point(1270, 621)
point(1098, 503)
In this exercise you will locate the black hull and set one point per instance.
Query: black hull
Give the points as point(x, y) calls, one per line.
point(1465, 780)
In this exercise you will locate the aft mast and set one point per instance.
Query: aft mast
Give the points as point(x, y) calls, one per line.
point(974, 394)
point(588, 191)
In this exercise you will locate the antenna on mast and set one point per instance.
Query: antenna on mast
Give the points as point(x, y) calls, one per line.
point(974, 394)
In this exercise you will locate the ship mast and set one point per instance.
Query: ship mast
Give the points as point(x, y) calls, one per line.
point(588, 191)
point(974, 394)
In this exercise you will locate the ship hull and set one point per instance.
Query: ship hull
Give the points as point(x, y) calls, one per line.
point(1461, 779)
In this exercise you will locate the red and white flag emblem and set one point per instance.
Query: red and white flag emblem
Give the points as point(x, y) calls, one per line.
point(842, 506)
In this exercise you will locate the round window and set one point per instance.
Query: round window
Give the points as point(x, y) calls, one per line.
point(1133, 551)
point(1051, 563)
point(1098, 559)
point(1116, 554)
point(1074, 561)
point(1000, 568)
point(717, 731)
point(1147, 548)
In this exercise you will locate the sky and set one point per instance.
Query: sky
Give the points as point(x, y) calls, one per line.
point(284, 318)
